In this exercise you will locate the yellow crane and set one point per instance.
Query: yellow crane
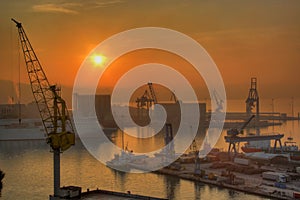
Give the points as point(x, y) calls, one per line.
point(51, 106)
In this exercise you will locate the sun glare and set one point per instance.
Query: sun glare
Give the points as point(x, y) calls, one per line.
point(98, 59)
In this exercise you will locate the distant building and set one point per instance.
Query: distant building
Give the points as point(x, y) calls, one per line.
point(8, 111)
point(103, 110)
point(12, 111)
point(82, 103)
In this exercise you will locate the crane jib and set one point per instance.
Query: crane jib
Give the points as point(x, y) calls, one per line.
point(51, 106)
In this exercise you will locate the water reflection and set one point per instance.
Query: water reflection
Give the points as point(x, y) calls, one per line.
point(172, 186)
point(11, 149)
point(197, 187)
point(28, 168)
point(2, 174)
point(120, 178)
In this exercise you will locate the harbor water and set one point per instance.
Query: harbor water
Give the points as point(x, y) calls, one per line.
point(28, 167)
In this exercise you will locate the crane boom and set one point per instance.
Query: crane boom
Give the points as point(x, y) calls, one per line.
point(43, 92)
point(39, 83)
point(150, 85)
point(247, 122)
point(235, 131)
point(51, 106)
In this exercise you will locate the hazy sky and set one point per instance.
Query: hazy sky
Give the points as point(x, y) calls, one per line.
point(245, 38)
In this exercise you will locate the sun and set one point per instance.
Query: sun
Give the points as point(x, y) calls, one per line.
point(98, 59)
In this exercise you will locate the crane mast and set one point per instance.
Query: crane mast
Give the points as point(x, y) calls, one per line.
point(218, 101)
point(150, 85)
point(52, 108)
point(173, 97)
point(253, 101)
point(144, 100)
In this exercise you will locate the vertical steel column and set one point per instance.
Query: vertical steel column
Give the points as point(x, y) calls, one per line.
point(56, 171)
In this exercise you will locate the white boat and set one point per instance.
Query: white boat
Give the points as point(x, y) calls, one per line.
point(123, 161)
point(28, 129)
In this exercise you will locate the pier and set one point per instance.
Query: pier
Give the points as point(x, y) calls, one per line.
point(105, 194)
point(241, 182)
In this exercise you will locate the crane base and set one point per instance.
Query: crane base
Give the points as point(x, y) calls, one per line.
point(68, 192)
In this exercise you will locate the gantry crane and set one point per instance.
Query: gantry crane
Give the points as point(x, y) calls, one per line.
point(253, 101)
point(234, 131)
point(144, 100)
point(218, 101)
point(152, 92)
point(51, 106)
point(173, 97)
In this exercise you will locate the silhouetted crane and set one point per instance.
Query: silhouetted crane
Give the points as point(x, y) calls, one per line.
point(235, 131)
point(51, 106)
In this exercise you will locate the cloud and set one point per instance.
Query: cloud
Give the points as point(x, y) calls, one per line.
point(67, 8)
point(107, 3)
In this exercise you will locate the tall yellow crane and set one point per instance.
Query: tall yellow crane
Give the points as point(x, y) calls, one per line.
point(51, 106)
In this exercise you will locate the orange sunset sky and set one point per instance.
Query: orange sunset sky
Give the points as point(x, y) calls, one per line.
point(244, 38)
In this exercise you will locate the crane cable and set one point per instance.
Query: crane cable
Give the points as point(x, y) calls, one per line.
point(19, 85)
point(11, 50)
point(17, 88)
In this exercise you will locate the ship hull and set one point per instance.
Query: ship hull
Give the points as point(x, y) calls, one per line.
point(251, 149)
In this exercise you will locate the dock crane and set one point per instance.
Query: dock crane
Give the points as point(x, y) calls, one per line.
point(150, 85)
point(253, 98)
point(173, 97)
point(51, 106)
point(146, 100)
point(218, 101)
point(234, 131)
point(253, 101)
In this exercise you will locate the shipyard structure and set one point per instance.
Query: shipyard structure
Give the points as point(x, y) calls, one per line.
point(140, 115)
